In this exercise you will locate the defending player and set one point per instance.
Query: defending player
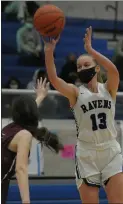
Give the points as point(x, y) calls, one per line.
point(98, 155)
point(17, 138)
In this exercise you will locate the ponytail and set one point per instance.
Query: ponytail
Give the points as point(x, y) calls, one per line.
point(45, 137)
point(99, 77)
point(25, 114)
point(49, 139)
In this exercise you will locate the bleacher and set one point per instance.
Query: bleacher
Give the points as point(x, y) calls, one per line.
point(71, 42)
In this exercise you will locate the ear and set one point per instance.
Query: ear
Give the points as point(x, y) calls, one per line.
point(97, 68)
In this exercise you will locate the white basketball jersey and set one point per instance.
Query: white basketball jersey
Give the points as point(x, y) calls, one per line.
point(94, 115)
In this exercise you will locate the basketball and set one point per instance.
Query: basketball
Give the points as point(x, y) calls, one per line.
point(49, 20)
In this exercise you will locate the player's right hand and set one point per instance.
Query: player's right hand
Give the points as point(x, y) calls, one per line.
point(50, 43)
point(42, 88)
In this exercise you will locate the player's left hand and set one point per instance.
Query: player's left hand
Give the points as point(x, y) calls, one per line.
point(87, 39)
point(42, 88)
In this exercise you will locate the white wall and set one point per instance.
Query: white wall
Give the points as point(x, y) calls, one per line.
point(33, 160)
point(55, 165)
point(89, 9)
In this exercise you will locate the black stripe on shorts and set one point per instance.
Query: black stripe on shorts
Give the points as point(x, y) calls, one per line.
point(77, 166)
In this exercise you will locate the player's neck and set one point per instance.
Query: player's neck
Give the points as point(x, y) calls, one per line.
point(93, 85)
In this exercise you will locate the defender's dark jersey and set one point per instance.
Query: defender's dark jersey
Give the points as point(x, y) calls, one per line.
point(8, 157)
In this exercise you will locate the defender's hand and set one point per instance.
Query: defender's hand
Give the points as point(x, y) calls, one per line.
point(41, 90)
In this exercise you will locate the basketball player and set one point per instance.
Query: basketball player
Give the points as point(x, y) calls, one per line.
point(98, 155)
point(17, 138)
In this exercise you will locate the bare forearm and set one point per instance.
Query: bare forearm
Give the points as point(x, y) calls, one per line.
point(39, 100)
point(23, 183)
point(102, 60)
point(60, 85)
point(50, 66)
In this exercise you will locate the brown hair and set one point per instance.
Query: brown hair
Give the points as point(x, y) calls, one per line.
point(99, 77)
point(25, 114)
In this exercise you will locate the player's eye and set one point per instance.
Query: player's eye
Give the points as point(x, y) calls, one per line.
point(86, 64)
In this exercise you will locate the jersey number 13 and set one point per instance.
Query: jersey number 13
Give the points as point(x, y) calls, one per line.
point(102, 121)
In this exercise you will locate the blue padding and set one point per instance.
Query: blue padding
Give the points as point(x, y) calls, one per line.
point(96, 24)
point(24, 74)
point(50, 202)
point(13, 60)
point(58, 202)
point(78, 50)
point(73, 32)
point(10, 60)
point(72, 21)
point(9, 67)
point(97, 43)
point(24, 81)
point(49, 192)
point(8, 37)
point(19, 71)
point(71, 37)
point(12, 26)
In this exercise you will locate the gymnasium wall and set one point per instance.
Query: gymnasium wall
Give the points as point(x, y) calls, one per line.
point(63, 163)
point(89, 9)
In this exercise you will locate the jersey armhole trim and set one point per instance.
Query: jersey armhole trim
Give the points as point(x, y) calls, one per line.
point(105, 87)
point(77, 98)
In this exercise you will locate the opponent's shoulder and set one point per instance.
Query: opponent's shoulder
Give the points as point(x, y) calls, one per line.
point(24, 135)
point(11, 129)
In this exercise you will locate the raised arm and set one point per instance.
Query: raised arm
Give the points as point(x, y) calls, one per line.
point(41, 90)
point(112, 72)
point(67, 90)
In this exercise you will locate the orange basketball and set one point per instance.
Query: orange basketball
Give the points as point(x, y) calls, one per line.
point(49, 20)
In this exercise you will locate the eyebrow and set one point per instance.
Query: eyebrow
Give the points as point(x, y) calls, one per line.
point(84, 63)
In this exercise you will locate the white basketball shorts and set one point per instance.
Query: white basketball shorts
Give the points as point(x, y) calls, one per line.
point(95, 166)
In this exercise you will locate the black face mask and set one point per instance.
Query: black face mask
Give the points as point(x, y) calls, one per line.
point(86, 75)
